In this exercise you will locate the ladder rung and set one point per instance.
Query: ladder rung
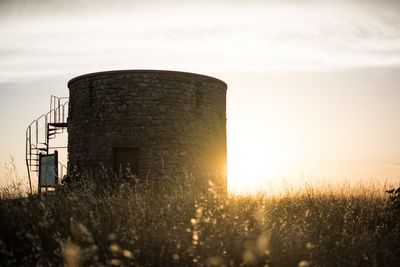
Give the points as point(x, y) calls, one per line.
point(38, 148)
point(58, 124)
point(53, 133)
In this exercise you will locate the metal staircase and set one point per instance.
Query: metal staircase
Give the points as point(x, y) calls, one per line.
point(41, 131)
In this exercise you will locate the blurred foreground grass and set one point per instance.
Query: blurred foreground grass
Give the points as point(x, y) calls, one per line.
point(174, 225)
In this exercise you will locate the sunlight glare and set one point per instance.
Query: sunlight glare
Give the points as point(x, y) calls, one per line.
point(256, 160)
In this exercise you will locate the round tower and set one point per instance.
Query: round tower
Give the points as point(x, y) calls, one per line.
point(160, 124)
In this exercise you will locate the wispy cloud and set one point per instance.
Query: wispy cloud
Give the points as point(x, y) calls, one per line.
point(238, 36)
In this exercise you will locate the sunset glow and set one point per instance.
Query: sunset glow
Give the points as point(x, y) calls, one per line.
point(312, 86)
point(259, 157)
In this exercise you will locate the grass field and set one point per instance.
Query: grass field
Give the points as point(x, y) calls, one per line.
point(131, 225)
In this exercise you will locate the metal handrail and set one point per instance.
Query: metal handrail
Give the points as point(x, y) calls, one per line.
point(57, 114)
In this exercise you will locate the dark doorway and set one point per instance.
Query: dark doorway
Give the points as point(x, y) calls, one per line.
point(126, 158)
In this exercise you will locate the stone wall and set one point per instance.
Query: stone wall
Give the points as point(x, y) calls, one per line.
point(177, 120)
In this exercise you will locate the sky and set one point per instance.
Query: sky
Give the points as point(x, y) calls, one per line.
point(313, 86)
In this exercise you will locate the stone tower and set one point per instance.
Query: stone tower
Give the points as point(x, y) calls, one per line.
point(162, 124)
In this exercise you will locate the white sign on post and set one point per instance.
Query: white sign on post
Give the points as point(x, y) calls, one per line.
point(48, 174)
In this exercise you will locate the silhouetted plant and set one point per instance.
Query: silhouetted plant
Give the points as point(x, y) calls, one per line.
point(175, 224)
point(394, 197)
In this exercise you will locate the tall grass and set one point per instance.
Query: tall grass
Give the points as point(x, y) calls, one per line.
point(175, 225)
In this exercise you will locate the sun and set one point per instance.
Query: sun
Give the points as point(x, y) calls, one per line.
point(247, 164)
point(257, 160)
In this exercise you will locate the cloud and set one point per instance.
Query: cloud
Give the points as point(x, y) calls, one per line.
point(56, 37)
